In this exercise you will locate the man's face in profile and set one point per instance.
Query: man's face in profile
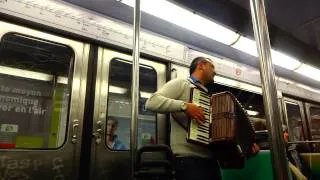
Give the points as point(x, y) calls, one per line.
point(111, 127)
point(209, 72)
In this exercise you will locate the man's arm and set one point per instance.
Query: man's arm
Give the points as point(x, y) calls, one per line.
point(166, 98)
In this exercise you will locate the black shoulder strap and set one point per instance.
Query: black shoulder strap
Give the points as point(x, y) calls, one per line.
point(198, 86)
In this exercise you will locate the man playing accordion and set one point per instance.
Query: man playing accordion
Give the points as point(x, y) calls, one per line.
point(192, 161)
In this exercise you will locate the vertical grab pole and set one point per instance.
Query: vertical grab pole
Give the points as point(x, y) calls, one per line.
point(269, 89)
point(135, 86)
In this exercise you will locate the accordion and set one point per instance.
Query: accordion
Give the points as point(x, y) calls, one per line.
point(227, 130)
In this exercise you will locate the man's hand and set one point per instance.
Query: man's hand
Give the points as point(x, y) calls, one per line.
point(195, 112)
point(255, 149)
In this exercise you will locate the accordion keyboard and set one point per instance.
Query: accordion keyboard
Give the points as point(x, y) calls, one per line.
point(201, 132)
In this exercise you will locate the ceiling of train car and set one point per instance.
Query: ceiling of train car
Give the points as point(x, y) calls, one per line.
point(299, 18)
point(294, 25)
point(227, 12)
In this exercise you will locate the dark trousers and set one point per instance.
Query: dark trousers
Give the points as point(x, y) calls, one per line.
point(196, 168)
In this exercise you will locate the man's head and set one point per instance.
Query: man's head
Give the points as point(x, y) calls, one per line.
point(112, 125)
point(203, 69)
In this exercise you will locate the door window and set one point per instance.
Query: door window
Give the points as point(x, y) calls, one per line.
point(119, 105)
point(295, 124)
point(315, 126)
point(35, 78)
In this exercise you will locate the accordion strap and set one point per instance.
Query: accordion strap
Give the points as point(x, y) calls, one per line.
point(198, 85)
point(183, 125)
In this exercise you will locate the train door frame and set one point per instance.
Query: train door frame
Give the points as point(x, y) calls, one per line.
point(104, 161)
point(302, 113)
point(307, 106)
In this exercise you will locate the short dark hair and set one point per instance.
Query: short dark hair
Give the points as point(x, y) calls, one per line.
point(112, 118)
point(195, 62)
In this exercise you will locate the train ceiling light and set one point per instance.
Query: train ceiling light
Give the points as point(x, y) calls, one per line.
point(309, 71)
point(198, 24)
point(184, 18)
point(246, 45)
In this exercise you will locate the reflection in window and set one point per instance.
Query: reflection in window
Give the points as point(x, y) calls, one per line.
point(315, 126)
point(34, 92)
point(295, 126)
point(119, 105)
point(315, 123)
point(112, 139)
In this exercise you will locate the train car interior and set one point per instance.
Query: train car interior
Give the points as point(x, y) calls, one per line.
point(66, 71)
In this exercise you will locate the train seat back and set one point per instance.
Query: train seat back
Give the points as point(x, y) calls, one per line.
point(154, 162)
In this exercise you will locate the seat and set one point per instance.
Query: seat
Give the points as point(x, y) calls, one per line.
point(154, 162)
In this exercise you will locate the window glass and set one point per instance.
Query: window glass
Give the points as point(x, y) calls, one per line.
point(295, 126)
point(34, 92)
point(315, 122)
point(119, 106)
point(315, 126)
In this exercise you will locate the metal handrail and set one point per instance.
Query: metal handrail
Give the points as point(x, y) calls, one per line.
point(303, 142)
point(269, 90)
point(135, 86)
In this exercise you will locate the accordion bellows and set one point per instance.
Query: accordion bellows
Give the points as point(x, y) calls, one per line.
point(230, 122)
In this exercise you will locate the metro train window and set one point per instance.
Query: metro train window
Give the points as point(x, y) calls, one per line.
point(295, 125)
point(34, 92)
point(119, 106)
point(315, 125)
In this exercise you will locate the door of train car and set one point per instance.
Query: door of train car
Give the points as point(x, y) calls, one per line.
point(42, 91)
point(313, 116)
point(295, 119)
point(110, 156)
